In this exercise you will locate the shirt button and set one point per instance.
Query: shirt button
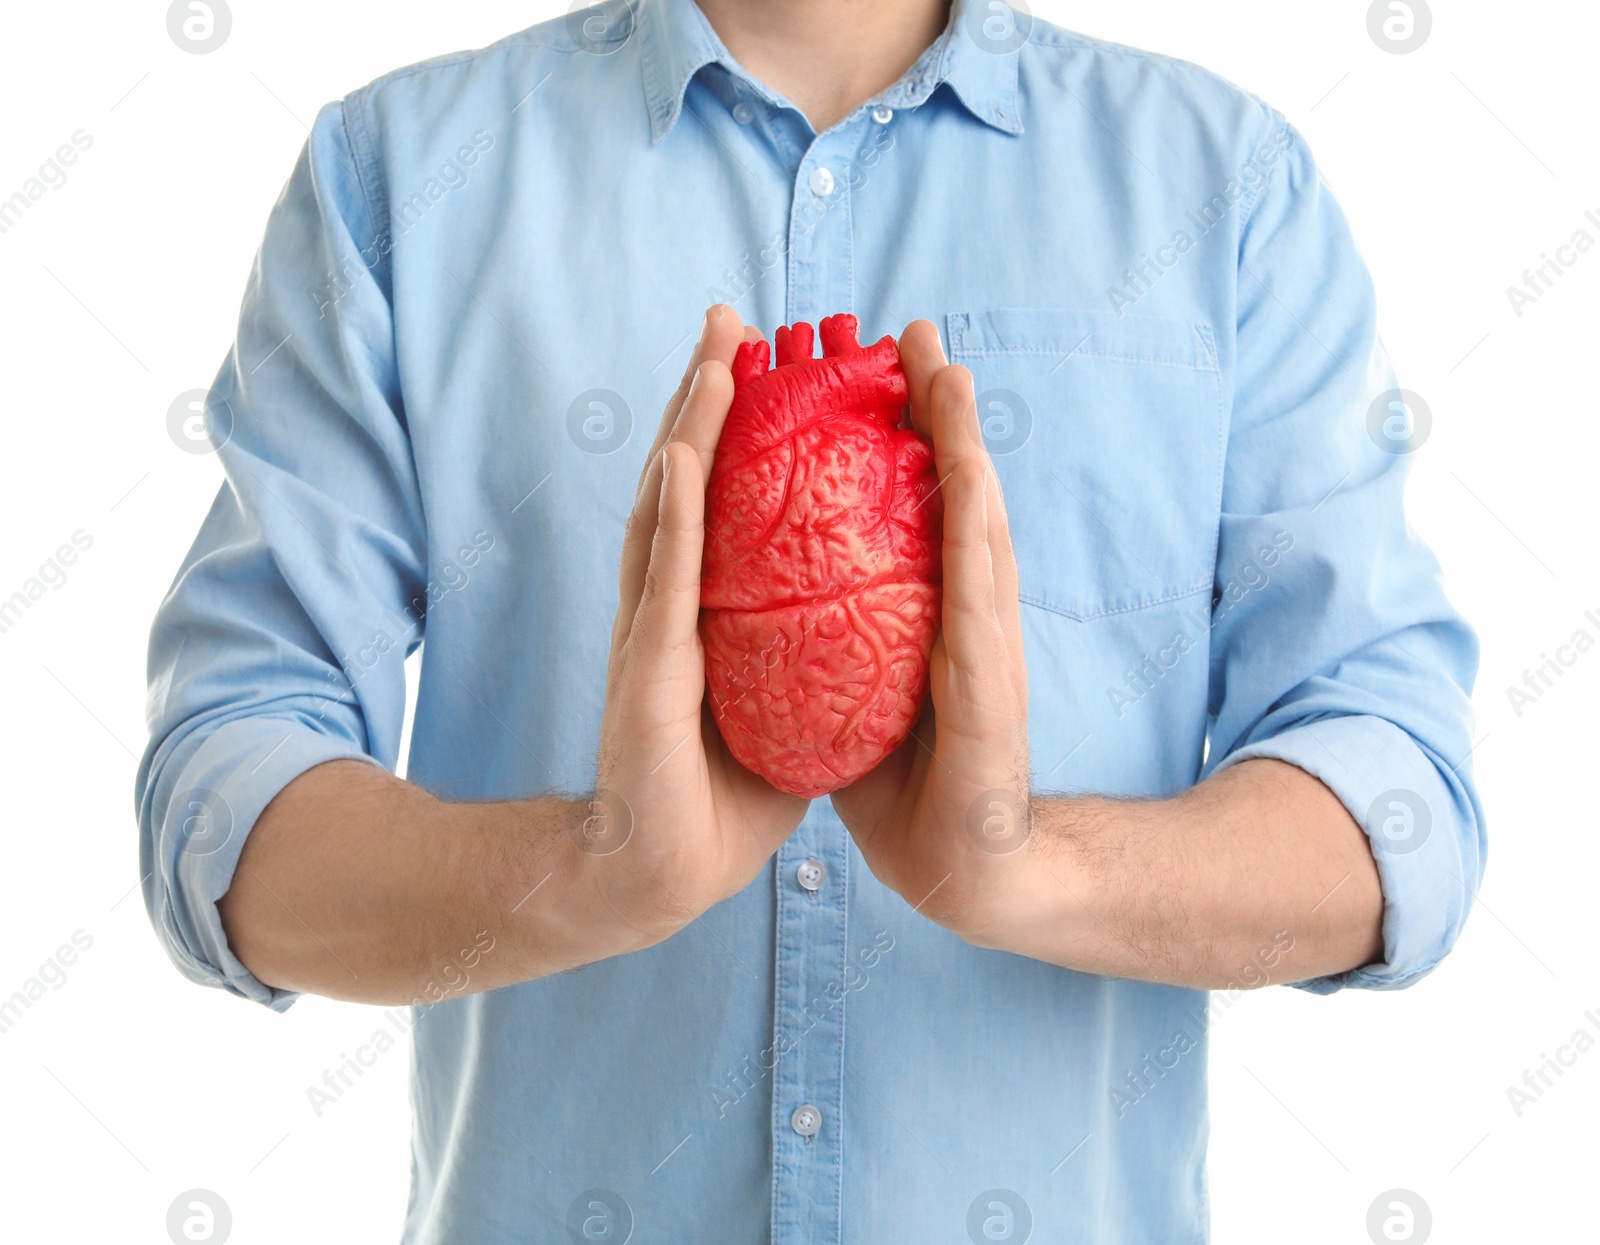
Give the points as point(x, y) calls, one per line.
point(883, 115)
point(821, 183)
point(806, 1120)
point(812, 875)
point(743, 113)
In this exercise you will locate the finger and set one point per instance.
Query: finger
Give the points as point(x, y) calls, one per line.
point(971, 622)
point(669, 607)
point(636, 541)
point(959, 448)
point(642, 522)
point(705, 411)
point(921, 357)
point(720, 334)
point(1003, 557)
point(953, 412)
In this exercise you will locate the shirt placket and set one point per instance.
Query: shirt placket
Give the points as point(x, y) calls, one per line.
point(812, 868)
point(821, 271)
point(809, 1034)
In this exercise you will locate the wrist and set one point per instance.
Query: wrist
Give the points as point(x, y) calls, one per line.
point(594, 894)
point(549, 892)
point(1048, 905)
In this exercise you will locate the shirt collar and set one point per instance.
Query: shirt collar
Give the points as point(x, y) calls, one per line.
point(678, 41)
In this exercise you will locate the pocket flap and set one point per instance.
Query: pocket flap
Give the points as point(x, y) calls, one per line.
point(1108, 434)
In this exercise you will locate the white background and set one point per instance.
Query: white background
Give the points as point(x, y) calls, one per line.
point(1459, 164)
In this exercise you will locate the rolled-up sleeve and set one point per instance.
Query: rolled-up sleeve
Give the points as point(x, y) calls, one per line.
point(281, 643)
point(1334, 647)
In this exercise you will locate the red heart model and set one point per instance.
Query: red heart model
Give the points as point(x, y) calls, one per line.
point(820, 585)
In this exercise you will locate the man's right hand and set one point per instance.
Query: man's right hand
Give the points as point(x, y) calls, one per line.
point(548, 883)
point(676, 824)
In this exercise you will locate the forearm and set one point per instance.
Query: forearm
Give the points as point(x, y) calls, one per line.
point(359, 886)
point(356, 885)
point(1259, 865)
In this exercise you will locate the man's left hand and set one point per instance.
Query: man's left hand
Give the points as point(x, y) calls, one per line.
point(944, 821)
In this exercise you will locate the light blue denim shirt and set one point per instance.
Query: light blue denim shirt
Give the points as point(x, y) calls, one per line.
point(475, 295)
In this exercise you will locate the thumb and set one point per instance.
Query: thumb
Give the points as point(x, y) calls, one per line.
point(669, 608)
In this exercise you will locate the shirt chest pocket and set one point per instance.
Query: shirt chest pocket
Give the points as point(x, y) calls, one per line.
point(1107, 436)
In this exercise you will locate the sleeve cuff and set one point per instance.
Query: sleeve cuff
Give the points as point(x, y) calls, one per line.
point(1423, 832)
point(212, 805)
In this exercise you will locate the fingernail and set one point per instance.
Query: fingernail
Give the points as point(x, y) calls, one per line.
point(712, 313)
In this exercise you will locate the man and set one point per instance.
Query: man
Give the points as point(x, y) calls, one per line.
point(1190, 652)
